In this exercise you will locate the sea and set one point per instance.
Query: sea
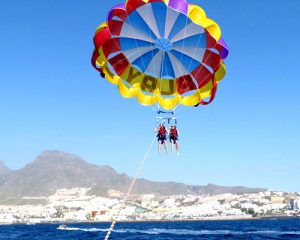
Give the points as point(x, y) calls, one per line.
point(233, 229)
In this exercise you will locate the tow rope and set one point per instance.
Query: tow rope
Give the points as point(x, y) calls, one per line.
point(138, 172)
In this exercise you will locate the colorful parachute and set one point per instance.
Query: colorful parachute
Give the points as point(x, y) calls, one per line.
point(161, 51)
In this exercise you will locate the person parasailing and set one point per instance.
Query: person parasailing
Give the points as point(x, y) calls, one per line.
point(173, 136)
point(161, 137)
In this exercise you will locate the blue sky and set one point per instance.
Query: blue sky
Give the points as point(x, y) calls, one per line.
point(52, 98)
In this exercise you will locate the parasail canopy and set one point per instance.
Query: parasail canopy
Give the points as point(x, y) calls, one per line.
point(160, 51)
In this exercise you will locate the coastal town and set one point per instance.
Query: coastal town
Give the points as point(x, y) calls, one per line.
point(76, 205)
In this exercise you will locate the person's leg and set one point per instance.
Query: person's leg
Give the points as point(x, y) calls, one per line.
point(159, 146)
point(177, 146)
point(166, 145)
point(172, 145)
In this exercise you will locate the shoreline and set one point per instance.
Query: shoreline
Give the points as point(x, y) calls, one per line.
point(274, 218)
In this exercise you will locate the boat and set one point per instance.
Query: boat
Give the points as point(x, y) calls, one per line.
point(62, 227)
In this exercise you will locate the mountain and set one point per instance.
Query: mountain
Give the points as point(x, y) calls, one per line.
point(53, 169)
point(3, 169)
point(4, 172)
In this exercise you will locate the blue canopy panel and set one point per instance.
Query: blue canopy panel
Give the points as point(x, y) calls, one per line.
point(162, 42)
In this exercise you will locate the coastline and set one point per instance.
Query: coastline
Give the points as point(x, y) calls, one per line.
point(74, 206)
point(274, 218)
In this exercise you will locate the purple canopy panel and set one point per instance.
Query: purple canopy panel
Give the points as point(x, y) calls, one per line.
point(119, 6)
point(180, 5)
point(224, 51)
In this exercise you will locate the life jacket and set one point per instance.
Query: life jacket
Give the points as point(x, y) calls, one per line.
point(162, 131)
point(173, 132)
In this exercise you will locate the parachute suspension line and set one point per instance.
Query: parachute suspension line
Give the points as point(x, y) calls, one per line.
point(175, 110)
point(137, 174)
point(153, 108)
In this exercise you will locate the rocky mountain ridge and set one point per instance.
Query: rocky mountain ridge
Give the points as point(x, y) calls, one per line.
point(52, 170)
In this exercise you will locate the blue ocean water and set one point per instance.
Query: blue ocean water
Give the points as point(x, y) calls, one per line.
point(241, 229)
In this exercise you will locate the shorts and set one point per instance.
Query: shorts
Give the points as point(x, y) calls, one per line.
point(175, 139)
point(161, 138)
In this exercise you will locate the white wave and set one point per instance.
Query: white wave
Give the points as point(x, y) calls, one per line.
point(271, 232)
point(84, 229)
point(158, 231)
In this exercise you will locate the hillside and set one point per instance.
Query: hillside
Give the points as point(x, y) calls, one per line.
point(53, 169)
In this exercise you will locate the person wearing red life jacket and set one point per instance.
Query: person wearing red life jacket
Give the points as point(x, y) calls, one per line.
point(173, 136)
point(161, 137)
